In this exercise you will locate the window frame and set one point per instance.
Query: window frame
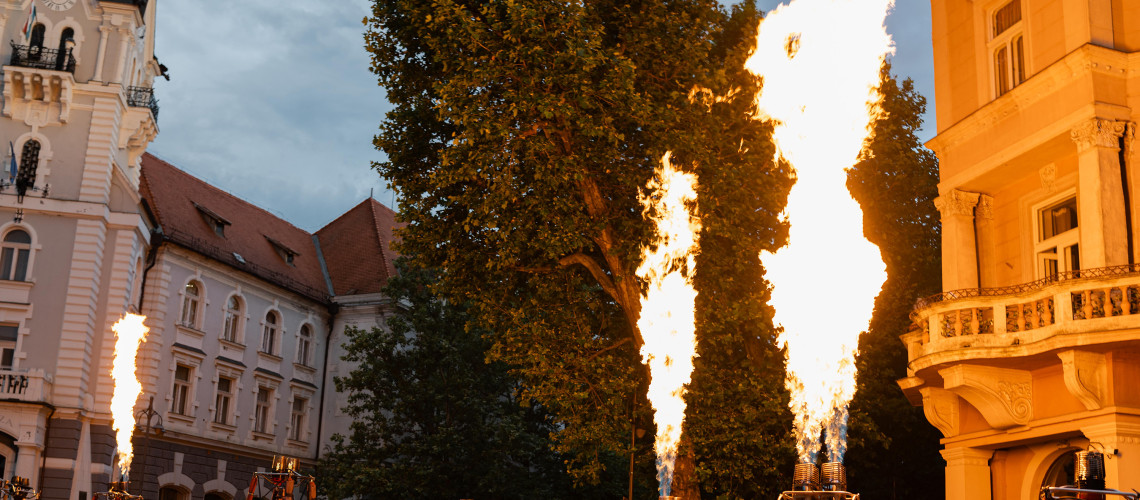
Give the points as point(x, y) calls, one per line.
point(10, 348)
point(263, 421)
point(271, 333)
point(18, 249)
point(1060, 243)
point(187, 391)
point(233, 319)
point(298, 420)
point(226, 414)
point(1011, 41)
point(194, 321)
point(305, 345)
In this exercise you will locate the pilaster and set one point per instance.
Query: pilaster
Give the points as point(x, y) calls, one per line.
point(959, 244)
point(967, 473)
point(73, 369)
point(1100, 195)
point(987, 250)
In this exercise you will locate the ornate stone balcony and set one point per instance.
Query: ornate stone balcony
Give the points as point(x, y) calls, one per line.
point(37, 96)
point(24, 385)
point(1090, 306)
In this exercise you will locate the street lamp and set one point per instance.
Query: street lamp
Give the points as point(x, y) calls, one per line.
point(147, 414)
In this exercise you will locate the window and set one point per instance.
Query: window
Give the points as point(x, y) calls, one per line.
point(223, 403)
point(1058, 250)
point(8, 334)
point(1008, 47)
point(304, 343)
point(190, 300)
point(261, 412)
point(37, 41)
point(269, 334)
point(64, 36)
point(181, 390)
point(231, 329)
point(29, 160)
point(14, 255)
point(297, 419)
point(215, 221)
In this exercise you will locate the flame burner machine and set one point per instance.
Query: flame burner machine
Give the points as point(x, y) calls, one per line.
point(117, 490)
point(1090, 481)
point(17, 489)
point(809, 483)
point(283, 482)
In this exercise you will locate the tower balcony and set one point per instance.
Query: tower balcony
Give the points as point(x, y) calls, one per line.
point(25, 385)
point(143, 97)
point(39, 57)
point(37, 95)
point(1073, 309)
point(141, 4)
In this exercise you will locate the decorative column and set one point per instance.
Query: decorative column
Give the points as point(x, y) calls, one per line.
point(1133, 183)
point(959, 244)
point(1123, 436)
point(1100, 196)
point(987, 251)
point(967, 473)
point(104, 32)
point(124, 39)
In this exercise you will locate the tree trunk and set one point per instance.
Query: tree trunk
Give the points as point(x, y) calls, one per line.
point(685, 485)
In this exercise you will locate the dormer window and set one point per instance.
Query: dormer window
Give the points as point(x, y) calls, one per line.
point(287, 254)
point(215, 221)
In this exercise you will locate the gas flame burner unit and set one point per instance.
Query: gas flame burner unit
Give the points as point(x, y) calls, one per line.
point(1090, 481)
point(117, 490)
point(809, 483)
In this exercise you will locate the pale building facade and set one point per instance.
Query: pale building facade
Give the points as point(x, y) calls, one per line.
point(1033, 350)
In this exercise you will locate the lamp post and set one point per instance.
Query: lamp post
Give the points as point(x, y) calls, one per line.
point(144, 417)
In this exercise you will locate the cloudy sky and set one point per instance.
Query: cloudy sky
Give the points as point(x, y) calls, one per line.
point(272, 100)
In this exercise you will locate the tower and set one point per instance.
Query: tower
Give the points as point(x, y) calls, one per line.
point(78, 111)
point(1032, 351)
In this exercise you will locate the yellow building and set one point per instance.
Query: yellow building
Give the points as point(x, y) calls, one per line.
point(1033, 349)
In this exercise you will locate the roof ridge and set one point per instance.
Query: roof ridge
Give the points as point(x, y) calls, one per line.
point(379, 238)
point(226, 193)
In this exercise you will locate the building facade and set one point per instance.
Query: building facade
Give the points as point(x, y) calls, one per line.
point(246, 311)
point(1033, 349)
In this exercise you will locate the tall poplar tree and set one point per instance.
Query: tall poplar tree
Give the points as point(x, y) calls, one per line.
point(893, 450)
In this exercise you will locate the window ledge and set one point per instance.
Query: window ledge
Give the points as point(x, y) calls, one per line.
point(262, 435)
point(305, 368)
point(271, 357)
point(190, 330)
point(180, 418)
point(231, 344)
point(299, 444)
point(227, 428)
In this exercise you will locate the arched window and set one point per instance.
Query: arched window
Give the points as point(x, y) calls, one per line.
point(231, 329)
point(37, 41)
point(64, 36)
point(269, 333)
point(304, 345)
point(14, 255)
point(1060, 472)
point(29, 160)
point(191, 298)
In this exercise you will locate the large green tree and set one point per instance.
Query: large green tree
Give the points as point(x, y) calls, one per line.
point(431, 418)
point(893, 451)
point(520, 137)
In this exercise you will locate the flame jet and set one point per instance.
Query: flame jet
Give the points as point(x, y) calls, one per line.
point(819, 61)
point(130, 332)
point(667, 315)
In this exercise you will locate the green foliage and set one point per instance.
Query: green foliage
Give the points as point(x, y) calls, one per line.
point(893, 451)
point(520, 137)
point(432, 419)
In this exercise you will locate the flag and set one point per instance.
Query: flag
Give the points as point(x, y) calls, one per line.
point(12, 167)
point(30, 23)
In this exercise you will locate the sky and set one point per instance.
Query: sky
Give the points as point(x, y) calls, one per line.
point(272, 100)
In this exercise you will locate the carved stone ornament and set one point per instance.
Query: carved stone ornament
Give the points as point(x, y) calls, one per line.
point(941, 409)
point(985, 209)
point(1048, 175)
point(1086, 377)
point(1003, 396)
point(1098, 132)
point(957, 202)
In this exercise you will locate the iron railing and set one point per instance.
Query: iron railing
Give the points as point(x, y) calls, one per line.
point(227, 257)
point(39, 57)
point(143, 97)
point(965, 293)
point(141, 4)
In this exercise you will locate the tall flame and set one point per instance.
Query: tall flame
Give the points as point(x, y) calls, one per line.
point(129, 333)
point(820, 61)
point(667, 316)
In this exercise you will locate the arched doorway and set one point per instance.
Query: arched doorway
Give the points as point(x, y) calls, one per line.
point(8, 453)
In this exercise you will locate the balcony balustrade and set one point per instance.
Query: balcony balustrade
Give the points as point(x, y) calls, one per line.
point(35, 56)
point(141, 4)
point(24, 385)
point(143, 97)
point(1078, 302)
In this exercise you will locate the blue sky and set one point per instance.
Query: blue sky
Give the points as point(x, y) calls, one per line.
point(272, 100)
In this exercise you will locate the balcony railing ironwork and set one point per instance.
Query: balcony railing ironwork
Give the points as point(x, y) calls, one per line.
point(141, 4)
point(24, 385)
point(35, 56)
point(1100, 272)
point(143, 97)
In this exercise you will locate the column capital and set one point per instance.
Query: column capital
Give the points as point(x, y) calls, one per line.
point(985, 207)
point(1098, 133)
point(966, 456)
point(957, 202)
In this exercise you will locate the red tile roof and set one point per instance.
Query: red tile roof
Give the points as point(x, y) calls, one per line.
point(357, 247)
point(183, 205)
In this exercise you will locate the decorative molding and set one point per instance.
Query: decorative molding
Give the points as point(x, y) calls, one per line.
point(1003, 396)
point(1098, 132)
point(967, 456)
point(941, 409)
point(1048, 175)
point(1086, 377)
point(985, 209)
point(957, 202)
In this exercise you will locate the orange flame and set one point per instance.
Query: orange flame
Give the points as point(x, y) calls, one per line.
point(667, 316)
point(130, 332)
point(820, 62)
